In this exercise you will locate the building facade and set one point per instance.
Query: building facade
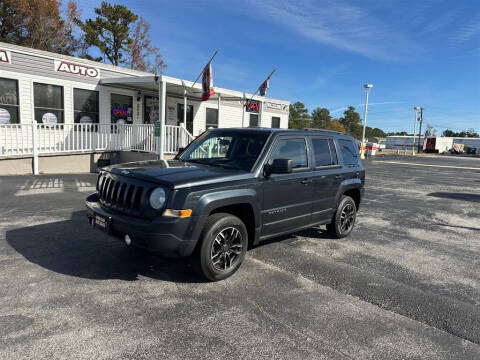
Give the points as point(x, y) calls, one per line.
point(57, 89)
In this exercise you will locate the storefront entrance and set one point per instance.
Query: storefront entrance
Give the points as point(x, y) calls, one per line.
point(189, 124)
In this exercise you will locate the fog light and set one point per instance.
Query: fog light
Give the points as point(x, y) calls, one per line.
point(128, 240)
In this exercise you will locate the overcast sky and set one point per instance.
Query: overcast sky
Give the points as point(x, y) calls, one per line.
point(414, 52)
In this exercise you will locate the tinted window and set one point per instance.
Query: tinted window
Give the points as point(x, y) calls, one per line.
point(321, 149)
point(275, 122)
point(8, 101)
point(48, 100)
point(253, 120)
point(293, 149)
point(85, 106)
point(212, 118)
point(349, 152)
point(333, 152)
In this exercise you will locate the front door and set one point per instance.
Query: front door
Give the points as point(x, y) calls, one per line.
point(189, 124)
point(287, 198)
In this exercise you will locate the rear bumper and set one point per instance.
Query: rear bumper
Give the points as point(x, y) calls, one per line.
point(164, 235)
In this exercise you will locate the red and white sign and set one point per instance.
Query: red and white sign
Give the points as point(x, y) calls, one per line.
point(5, 56)
point(76, 69)
point(49, 119)
point(276, 106)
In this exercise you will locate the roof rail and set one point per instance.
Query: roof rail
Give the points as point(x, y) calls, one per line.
point(317, 129)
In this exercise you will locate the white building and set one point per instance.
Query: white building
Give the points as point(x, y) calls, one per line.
point(58, 89)
point(399, 142)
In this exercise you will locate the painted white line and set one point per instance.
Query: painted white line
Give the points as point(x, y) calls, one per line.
point(429, 165)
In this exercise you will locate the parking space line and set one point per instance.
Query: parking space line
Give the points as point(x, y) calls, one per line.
point(427, 165)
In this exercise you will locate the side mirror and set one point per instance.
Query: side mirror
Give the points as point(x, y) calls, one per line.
point(279, 166)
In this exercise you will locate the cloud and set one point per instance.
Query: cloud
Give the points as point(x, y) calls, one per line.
point(467, 32)
point(369, 104)
point(338, 24)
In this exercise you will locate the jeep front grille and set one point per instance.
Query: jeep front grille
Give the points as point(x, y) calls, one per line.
point(123, 194)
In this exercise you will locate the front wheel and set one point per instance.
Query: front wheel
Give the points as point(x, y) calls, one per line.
point(223, 246)
point(344, 218)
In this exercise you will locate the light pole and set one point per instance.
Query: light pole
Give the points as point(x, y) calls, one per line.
point(415, 109)
point(367, 88)
point(420, 130)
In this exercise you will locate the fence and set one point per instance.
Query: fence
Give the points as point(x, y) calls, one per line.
point(37, 139)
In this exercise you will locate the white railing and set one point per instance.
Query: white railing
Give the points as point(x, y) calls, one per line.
point(29, 139)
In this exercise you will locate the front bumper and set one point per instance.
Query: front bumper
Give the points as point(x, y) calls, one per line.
point(166, 235)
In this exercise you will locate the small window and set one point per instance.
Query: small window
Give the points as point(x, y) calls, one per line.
point(349, 152)
point(122, 109)
point(253, 120)
point(275, 122)
point(48, 100)
point(322, 152)
point(211, 118)
point(293, 149)
point(85, 106)
point(9, 109)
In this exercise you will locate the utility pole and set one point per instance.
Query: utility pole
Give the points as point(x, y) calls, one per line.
point(367, 88)
point(420, 131)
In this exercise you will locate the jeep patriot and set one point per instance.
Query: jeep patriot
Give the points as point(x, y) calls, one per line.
point(229, 190)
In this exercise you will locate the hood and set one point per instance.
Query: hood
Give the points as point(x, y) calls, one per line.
point(174, 173)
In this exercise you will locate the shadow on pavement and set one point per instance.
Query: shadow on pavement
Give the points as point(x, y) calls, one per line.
point(456, 196)
point(73, 248)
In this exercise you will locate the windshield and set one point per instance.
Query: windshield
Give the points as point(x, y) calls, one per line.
point(234, 150)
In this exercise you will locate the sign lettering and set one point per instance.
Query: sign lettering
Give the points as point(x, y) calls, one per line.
point(77, 69)
point(5, 56)
point(252, 106)
point(276, 106)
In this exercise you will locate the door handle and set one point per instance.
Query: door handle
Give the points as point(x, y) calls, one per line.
point(306, 181)
point(338, 177)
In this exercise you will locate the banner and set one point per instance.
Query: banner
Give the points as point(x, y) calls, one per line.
point(207, 83)
point(263, 88)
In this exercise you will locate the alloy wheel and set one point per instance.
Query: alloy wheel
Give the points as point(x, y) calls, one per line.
point(226, 249)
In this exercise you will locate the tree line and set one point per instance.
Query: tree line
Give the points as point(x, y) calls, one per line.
point(121, 36)
point(320, 118)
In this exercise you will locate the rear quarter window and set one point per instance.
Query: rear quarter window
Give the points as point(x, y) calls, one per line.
point(349, 152)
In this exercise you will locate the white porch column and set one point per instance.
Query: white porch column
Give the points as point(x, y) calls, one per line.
point(184, 108)
point(243, 110)
point(218, 111)
point(162, 90)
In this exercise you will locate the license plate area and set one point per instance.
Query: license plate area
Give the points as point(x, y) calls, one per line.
point(102, 223)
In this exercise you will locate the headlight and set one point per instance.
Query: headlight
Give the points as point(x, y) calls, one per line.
point(157, 198)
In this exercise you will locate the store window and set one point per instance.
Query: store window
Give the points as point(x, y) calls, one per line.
point(121, 109)
point(85, 106)
point(253, 120)
point(212, 118)
point(9, 109)
point(275, 122)
point(150, 110)
point(189, 124)
point(48, 101)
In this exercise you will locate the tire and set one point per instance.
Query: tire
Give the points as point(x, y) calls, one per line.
point(224, 242)
point(346, 211)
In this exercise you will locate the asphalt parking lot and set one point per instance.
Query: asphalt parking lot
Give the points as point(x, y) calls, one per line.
point(405, 284)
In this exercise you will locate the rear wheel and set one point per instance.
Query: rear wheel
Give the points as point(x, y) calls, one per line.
point(223, 246)
point(344, 218)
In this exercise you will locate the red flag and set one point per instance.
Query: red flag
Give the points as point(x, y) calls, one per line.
point(207, 83)
point(263, 88)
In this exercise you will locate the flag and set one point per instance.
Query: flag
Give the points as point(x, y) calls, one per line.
point(263, 88)
point(207, 83)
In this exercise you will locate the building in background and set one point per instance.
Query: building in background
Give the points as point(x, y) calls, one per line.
point(58, 89)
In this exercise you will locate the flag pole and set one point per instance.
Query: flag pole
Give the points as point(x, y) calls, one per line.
point(201, 72)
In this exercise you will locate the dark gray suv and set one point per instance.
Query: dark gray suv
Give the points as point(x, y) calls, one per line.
point(230, 189)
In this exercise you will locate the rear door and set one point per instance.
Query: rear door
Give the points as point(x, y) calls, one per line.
point(287, 198)
point(327, 177)
point(352, 165)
